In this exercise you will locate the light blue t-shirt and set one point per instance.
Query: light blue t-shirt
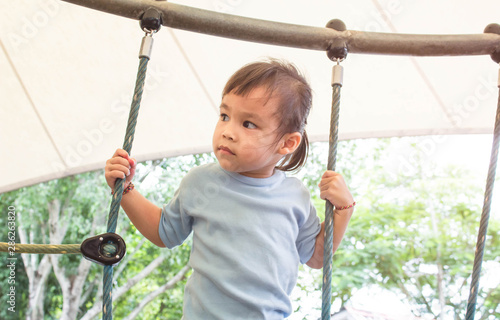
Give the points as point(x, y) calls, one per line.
point(249, 236)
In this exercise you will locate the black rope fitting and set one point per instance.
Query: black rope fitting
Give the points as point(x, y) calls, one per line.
point(151, 20)
point(494, 28)
point(337, 50)
point(106, 249)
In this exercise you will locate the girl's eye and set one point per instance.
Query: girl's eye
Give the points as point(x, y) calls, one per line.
point(249, 125)
point(224, 117)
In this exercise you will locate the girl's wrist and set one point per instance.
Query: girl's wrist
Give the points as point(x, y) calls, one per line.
point(129, 188)
point(346, 207)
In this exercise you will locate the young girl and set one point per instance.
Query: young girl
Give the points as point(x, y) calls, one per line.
point(252, 225)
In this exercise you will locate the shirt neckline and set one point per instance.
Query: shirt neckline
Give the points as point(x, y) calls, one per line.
point(276, 177)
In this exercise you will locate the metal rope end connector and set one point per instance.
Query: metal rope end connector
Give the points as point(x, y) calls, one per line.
point(337, 51)
point(337, 75)
point(151, 22)
point(146, 45)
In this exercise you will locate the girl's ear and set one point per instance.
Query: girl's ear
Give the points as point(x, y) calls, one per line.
point(289, 143)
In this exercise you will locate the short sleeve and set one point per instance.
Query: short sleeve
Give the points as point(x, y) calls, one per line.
point(175, 223)
point(306, 239)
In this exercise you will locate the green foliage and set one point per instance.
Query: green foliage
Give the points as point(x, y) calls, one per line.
point(85, 198)
point(408, 225)
point(414, 231)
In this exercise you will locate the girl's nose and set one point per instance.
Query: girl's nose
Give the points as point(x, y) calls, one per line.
point(227, 135)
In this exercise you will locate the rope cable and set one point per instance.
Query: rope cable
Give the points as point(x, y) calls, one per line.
point(150, 23)
point(41, 248)
point(329, 221)
point(485, 215)
point(107, 306)
point(329, 208)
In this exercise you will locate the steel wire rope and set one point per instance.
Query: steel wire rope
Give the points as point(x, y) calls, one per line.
point(485, 215)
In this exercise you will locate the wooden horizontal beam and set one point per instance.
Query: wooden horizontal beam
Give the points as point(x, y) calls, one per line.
point(299, 36)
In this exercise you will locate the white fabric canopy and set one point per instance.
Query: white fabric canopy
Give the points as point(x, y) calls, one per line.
point(68, 72)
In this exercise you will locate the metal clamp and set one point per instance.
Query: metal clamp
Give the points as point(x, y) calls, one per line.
point(150, 23)
point(106, 249)
point(337, 49)
point(151, 20)
point(494, 28)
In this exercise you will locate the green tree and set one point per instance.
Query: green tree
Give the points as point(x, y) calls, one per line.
point(69, 287)
point(413, 230)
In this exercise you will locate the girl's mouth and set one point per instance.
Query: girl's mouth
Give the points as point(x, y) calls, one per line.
point(226, 150)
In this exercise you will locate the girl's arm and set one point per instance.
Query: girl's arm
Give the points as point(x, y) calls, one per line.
point(334, 189)
point(142, 213)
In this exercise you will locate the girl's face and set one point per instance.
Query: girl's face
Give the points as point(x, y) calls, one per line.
point(244, 139)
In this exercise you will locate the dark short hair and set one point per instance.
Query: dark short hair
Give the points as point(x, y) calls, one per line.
point(295, 96)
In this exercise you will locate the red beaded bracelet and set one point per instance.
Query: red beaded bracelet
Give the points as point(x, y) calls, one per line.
point(347, 207)
point(127, 189)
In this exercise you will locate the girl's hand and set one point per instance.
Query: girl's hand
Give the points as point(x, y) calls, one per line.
point(120, 166)
point(334, 189)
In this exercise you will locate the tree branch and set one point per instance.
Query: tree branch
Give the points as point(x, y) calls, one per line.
point(427, 306)
point(138, 277)
point(150, 297)
point(89, 290)
point(96, 309)
point(129, 257)
point(485, 315)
